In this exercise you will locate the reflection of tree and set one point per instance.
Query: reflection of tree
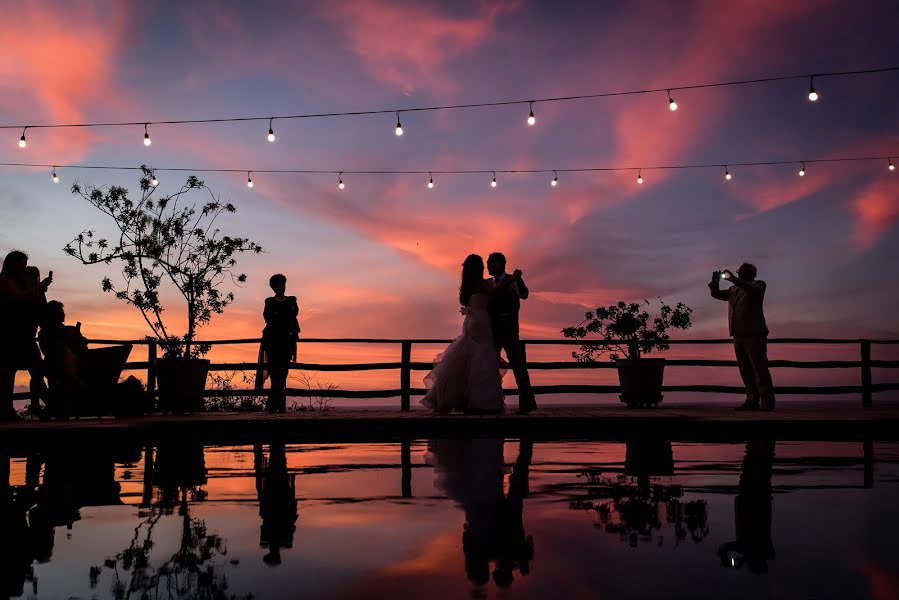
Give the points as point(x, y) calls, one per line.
point(634, 507)
point(192, 571)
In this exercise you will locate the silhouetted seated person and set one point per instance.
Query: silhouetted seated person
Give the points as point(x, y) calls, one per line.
point(752, 511)
point(746, 325)
point(279, 342)
point(18, 300)
point(276, 489)
point(62, 346)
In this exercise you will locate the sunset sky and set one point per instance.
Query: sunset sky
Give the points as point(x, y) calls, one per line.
point(382, 257)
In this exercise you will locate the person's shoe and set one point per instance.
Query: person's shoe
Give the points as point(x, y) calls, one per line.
point(768, 405)
point(747, 406)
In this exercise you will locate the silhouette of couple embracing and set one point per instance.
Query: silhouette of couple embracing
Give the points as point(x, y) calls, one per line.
point(468, 375)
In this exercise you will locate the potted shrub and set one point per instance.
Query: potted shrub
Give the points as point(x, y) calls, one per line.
point(169, 240)
point(631, 330)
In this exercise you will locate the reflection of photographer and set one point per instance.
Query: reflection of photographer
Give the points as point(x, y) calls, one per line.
point(746, 322)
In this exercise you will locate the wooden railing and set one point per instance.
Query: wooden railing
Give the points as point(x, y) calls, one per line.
point(405, 366)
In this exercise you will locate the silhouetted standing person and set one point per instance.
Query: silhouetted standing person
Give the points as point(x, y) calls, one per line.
point(17, 300)
point(746, 323)
point(279, 341)
point(34, 313)
point(753, 511)
point(276, 490)
point(505, 304)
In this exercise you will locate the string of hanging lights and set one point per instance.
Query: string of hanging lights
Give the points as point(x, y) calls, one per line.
point(813, 96)
point(728, 176)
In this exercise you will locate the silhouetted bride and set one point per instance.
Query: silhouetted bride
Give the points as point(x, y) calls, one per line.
point(466, 376)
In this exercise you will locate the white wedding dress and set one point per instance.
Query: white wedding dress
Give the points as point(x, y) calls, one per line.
point(467, 376)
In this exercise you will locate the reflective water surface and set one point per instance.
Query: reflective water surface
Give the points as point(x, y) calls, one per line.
point(453, 519)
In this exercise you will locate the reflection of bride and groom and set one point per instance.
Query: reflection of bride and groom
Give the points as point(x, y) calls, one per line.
point(468, 375)
point(470, 472)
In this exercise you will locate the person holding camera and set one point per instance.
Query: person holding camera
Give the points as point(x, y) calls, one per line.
point(746, 323)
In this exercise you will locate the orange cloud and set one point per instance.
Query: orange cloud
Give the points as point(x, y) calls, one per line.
point(876, 210)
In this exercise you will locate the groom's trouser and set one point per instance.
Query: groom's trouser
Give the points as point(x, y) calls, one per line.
point(505, 337)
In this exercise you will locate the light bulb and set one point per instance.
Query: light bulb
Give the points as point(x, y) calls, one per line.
point(249, 181)
point(812, 94)
point(271, 135)
point(154, 182)
point(802, 171)
point(555, 180)
point(672, 105)
point(493, 183)
point(639, 178)
point(430, 182)
point(55, 176)
point(22, 142)
point(891, 166)
point(727, 174)
point(531, 118)
point(399, 126)
point(147, 140)
point(340, 184)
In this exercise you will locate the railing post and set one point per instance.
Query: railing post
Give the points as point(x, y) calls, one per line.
point(406, 375)
point(151, 370)
point(406, 466)
point(866, 373)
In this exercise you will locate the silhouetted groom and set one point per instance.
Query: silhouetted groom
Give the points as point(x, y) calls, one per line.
point(504, 308)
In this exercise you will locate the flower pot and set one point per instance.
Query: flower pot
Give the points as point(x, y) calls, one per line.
point(182, 382)
point(641, 381)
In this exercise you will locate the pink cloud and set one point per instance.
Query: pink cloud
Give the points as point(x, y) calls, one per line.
point(876, 209)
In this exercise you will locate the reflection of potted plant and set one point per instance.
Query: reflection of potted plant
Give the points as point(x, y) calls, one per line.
point(167, 240)
point(632, 330)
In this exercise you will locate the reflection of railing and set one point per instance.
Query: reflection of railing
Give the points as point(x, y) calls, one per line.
point(405, 391)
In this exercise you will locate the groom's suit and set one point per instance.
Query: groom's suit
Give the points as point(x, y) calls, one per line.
point(504, 308)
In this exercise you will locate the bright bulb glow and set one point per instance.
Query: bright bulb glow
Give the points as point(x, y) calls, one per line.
point(55, 177)
point(531, 118)
point(554, 182)
point(154, 182)
point(147, 140)
point(493, 183)
point(672, 105)
point(399, 129)
point(639, 179)
point(802, 172)
point(891, 167)
point(812, 95)
point(431, 184)
point(340, 185)
point(271, 135)
point(249, 182)
point(22, 142)
point(727, 175)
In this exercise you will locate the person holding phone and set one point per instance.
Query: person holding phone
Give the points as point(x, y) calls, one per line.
point(747, 327)
point(17, 301)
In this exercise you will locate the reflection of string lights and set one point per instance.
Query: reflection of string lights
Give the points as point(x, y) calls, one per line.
point(531, 120)
point(494, 173)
